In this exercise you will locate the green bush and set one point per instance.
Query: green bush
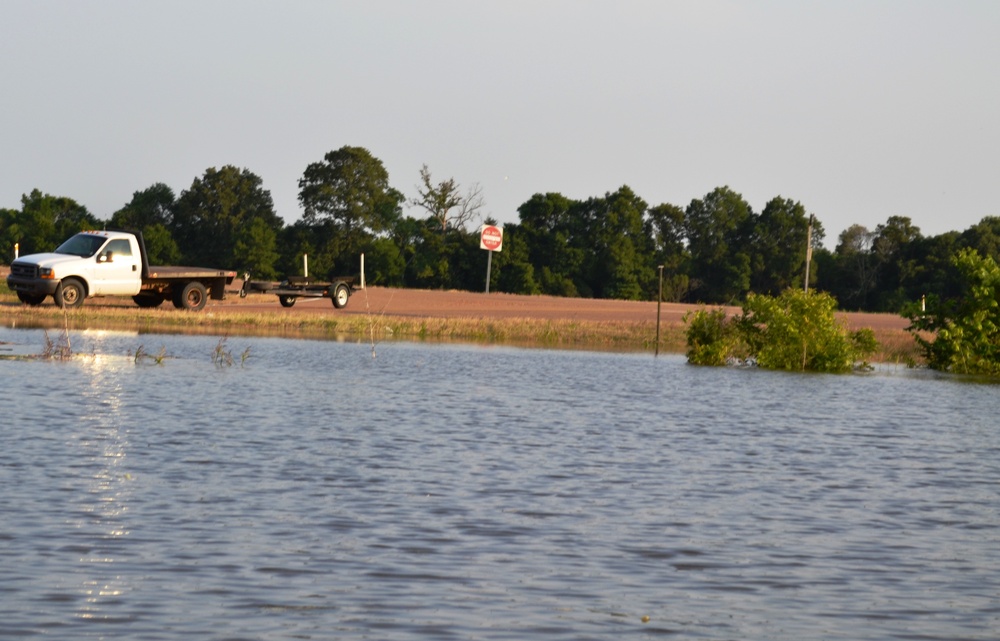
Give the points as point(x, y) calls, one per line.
point(711, 337)
point(794, 331)
point(966, 329)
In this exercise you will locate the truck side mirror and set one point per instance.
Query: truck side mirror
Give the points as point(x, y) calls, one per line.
point(106, 257)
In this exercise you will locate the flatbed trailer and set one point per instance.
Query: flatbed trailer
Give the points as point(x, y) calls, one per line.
point(288, 291)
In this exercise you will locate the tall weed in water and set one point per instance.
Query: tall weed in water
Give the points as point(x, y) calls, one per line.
point(59, 349)
point(223, 357)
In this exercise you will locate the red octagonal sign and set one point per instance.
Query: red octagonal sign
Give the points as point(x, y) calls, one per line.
point(491, 238)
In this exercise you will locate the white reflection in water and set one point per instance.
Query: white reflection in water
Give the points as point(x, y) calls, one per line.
point(103, 442)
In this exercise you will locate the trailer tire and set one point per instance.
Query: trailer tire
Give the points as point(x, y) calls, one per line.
point(192, 296)
point(286, 301)
point(30, 299)
point(70, 294)
point(153, 299)
point(341, 294)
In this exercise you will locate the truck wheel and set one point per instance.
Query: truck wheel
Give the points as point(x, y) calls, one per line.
point(193, 297)
point(30, 299)
point(286, 301)
point(69, 294)
point(153, 299)
point(341, 293)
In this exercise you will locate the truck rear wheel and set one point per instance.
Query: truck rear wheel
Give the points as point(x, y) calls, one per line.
point(192, 296)
point(341, 294)
point(69, 294)
point(286, 301)
point(30, 299)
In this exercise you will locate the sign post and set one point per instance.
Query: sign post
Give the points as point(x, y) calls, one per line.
point(490, 239)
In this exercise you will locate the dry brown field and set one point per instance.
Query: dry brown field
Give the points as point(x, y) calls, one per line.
point(382, 313)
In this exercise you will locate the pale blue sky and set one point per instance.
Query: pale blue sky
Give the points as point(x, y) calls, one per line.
point(861, 110)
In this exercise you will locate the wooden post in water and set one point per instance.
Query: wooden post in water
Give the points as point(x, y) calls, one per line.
point(659, 299)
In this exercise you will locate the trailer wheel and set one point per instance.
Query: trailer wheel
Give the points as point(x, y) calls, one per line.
point(286, 301)
point(341, 293)
point(151, 299)
point(30, 299)
point(192, 297)
point(69, 294)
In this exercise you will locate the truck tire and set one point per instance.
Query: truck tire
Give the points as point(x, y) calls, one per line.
point(69, 294)
point(341, 294)
point(286, 301)
point(30, 299)
point(152, 299)
point(192, 296)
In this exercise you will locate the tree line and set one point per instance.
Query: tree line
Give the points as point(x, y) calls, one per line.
point(716, 250)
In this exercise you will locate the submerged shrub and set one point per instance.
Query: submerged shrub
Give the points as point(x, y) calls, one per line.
point(966, 329)
point(711, 337)
point(798, 331)
point(794, 331)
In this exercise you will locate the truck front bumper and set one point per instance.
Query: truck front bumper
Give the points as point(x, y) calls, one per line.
point(34, 286)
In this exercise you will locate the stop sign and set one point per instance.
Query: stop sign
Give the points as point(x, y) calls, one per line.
point(491, 238)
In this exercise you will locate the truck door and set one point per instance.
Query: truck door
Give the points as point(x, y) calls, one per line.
point(118, 272)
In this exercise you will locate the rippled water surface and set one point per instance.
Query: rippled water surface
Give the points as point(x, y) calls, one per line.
point(448, 492)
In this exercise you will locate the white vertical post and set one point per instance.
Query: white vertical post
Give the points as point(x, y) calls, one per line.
point(305, 265)
point(362, 271)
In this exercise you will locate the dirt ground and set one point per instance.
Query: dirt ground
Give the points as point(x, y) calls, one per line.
point(422, 303)
point(452, 304)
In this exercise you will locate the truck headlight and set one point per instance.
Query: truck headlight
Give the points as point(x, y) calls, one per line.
point(45, 272)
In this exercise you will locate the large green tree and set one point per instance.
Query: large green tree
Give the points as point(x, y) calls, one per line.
point(226, 219)
point(898, 267)
point(551, 232)
point(512, 269)
point(44, 222)
point(984, 237)
point(666, 228)
point(779, 240)
point(151, 211)
point(350, 190)
point(618, 258)
point(719, 228)
point(856, 275)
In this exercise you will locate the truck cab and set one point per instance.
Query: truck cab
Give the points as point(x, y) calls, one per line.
point(91, 263)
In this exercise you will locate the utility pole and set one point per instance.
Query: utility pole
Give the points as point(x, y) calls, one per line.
point(809, 249)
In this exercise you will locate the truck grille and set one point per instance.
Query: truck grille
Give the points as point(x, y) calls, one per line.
point(23, 270)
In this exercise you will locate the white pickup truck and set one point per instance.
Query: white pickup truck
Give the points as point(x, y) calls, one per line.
point(112, 263)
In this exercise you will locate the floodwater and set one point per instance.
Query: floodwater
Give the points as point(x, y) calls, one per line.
point(306, 490)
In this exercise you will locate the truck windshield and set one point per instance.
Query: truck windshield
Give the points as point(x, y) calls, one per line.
point(81, 245)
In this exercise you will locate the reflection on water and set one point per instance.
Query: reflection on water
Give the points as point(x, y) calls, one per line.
point(103, 442)
point(465, 492)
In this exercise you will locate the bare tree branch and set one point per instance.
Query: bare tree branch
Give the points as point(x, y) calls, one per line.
point(446, 206)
